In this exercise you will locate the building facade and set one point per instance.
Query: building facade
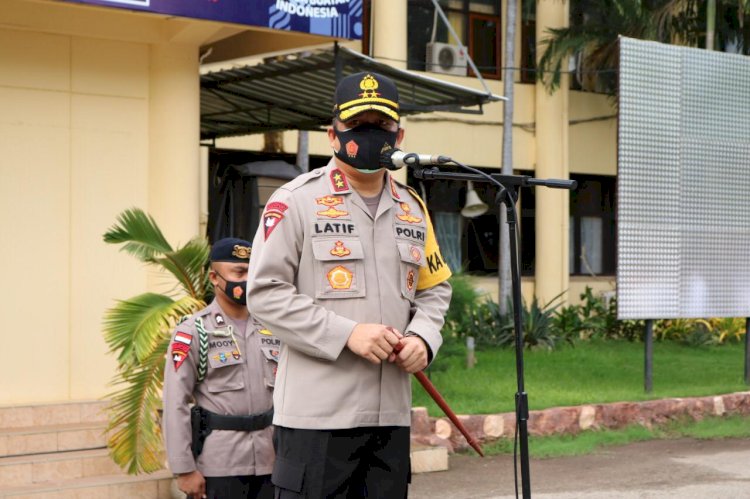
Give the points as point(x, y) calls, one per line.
point(101, 112)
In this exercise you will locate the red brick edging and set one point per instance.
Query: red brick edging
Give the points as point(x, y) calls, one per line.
point(570, 420)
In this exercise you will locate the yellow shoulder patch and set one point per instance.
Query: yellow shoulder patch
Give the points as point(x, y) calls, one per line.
point(436, 270)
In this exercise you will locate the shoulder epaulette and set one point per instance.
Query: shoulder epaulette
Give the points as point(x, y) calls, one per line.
point(413, 192)
point(301, 180)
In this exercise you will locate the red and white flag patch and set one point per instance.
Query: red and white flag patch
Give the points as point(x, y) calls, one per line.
point(180, 348)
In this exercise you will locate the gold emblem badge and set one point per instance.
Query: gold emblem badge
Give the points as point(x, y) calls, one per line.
point(407, 216)
point(340, 250)
point(416, 255)
point(241, 251)
point(332, 213)
point(340, 277)
point(330, 200)
point(369, 85)
point(410, 279)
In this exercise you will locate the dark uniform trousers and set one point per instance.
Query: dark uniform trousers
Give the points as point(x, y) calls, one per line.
point(370, 462)
point(239, 487)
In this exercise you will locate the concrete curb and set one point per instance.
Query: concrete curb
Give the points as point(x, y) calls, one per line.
point(432, 431)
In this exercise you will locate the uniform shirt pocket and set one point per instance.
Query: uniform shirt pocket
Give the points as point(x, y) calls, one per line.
point(412, 257)
point(225, 370)
point(270, 347)
point(339, 264)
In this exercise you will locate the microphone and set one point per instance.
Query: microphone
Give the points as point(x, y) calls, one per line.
point(393, 159)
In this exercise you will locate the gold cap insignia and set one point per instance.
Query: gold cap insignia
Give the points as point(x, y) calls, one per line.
point(241, 251)
point(369, 85)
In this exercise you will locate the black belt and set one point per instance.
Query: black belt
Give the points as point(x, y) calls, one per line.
point(253, 422)
point(203, 422)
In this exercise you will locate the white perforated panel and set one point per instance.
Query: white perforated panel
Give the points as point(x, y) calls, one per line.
point(683, 183)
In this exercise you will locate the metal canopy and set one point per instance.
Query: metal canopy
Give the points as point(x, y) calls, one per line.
point(296, 92)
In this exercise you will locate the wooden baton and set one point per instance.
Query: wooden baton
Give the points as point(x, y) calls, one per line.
point(440, 401)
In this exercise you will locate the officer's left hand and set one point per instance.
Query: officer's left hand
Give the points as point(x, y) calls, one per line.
point(413, 356)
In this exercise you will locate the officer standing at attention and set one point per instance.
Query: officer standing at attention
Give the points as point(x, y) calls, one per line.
point(345, 267)
point(225, 362)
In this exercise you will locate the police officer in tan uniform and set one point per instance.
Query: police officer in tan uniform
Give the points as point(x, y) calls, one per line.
point(345, 267)
point(225, 362)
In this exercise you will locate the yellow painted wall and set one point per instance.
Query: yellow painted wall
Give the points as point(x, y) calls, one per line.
point(99, 112)
point(593, 134)
point(599, 285)
point(73, 149)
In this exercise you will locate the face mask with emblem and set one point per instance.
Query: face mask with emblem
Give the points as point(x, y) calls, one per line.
point(361, 146)
point(235, 290)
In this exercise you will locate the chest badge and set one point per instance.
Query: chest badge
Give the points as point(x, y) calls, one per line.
point(340, 250)
point(330, 202)
point(416, 255)
point(219, 320)
point(406, 216)
point(340, 277)
point(221, 357)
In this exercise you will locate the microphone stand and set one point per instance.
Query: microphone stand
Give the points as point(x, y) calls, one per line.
point(508, 194)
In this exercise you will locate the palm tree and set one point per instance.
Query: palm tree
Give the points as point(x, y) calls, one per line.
point(594, 37)
point(138, 330)
point(597, 24)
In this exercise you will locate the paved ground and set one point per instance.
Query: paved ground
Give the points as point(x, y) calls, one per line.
point(669, 469)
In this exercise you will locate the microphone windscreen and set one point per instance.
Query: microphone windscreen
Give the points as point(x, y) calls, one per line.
point(386, 160)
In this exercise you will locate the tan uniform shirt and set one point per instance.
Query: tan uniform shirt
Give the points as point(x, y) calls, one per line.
point(321, 263)
point(239, 381)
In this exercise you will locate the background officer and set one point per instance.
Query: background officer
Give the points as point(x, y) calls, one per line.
point(345, 267)
point(225, 362)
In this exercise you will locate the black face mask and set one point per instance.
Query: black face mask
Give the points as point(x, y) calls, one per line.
point(236, 291)
point(361, 146)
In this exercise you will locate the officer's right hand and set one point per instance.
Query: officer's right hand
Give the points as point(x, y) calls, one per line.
point(193, 484)
point(373, 342)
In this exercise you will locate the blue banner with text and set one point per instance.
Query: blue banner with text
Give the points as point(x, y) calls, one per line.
point(335, 18)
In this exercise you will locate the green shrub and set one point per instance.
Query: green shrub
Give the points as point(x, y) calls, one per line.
point(567, 321)
point(538, 325)
point(490, 328)
point(729, 329)
point(463, 300)
point(549, 325)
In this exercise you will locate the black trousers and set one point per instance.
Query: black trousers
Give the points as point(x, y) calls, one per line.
point(239, 487)
point(353, 463)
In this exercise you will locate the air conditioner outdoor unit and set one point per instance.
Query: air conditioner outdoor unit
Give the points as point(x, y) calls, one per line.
point(446, 58)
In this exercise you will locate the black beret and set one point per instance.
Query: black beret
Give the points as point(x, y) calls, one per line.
point(231, 249)
point(362, 92)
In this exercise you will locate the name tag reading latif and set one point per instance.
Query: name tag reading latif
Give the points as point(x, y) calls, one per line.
point(332, 228)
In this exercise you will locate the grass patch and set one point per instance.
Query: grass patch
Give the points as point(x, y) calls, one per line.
point(591, 441)
point(589, 372)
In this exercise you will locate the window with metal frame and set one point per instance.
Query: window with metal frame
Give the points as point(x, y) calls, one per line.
point(476, 22)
